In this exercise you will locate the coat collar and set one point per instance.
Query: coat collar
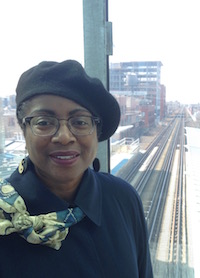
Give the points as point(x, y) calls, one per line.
point(39, 199)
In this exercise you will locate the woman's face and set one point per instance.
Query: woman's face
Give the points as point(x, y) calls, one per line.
point(60, 159)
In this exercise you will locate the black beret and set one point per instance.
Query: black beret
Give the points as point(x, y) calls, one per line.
point(68, 79)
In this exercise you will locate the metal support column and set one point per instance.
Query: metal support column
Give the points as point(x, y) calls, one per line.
point(97, 47)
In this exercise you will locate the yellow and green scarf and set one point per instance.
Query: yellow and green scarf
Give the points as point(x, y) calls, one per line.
point(46, 229)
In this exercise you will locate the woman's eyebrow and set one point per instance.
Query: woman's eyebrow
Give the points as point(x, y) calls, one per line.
point(52, 113)
point(78, 110)
point(43, 111)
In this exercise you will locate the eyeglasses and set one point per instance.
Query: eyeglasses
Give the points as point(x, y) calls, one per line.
point(48, 125)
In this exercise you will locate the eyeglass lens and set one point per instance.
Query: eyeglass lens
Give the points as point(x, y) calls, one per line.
point(81, 125)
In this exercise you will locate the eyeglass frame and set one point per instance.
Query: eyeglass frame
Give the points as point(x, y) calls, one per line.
point(95, 121)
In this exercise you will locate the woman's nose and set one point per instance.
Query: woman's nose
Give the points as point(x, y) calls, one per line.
point(63, 135)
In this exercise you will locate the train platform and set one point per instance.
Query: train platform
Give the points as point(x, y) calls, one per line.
point(118, 161)
point(193, 196)
point(121, 153)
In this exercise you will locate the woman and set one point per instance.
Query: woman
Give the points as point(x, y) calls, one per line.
point(60, 218)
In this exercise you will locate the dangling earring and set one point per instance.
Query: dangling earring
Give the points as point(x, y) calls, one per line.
point(23, 164)
point(96, 165)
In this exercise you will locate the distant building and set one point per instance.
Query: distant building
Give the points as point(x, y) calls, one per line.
point(137, 115)
point(173, 107)
point(2, 133)
point(163, 106)
point(142, 79)
point(12, 144)
point(9, 102)
point(11, 128)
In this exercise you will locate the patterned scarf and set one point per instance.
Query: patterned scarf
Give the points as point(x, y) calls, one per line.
point(46, 229)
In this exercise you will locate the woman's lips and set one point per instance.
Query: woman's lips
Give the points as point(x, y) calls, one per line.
point(66, 158)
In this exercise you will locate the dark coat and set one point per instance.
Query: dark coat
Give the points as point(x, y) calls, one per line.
point(111, 241)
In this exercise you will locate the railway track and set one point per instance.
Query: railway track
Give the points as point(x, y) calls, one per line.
point(159, 179)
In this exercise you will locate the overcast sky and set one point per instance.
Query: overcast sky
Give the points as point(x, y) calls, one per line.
point(166, 31)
